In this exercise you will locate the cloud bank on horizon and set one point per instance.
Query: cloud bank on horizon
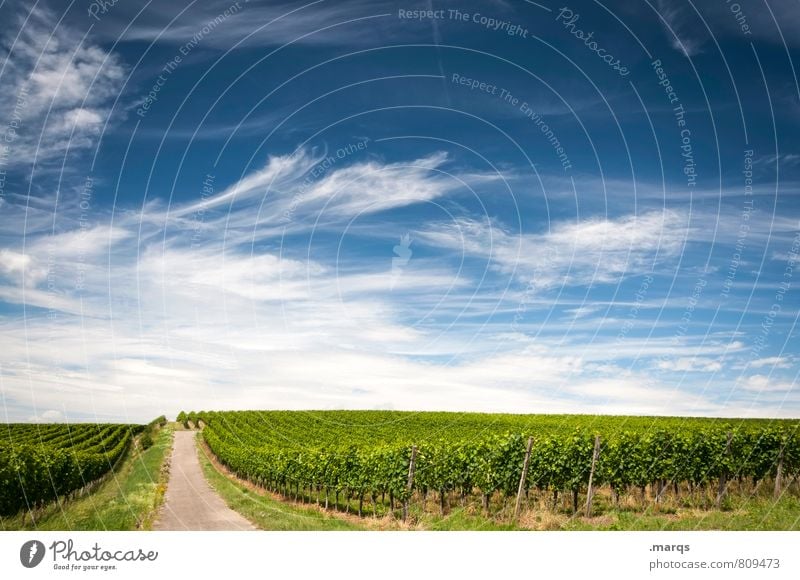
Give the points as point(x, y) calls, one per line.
point(514, 207)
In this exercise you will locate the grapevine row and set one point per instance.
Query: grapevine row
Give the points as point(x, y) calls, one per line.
point(40, 464)
point(694, 453)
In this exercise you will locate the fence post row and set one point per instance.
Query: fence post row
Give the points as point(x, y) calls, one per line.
point(779, 474)
point(590, 492)
point(410, 483)
point(523, 476)
point(723, 475)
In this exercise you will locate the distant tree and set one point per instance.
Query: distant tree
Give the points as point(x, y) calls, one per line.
point(183, 418)
point(158, 422)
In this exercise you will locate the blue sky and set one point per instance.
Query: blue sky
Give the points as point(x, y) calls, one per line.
point(497, 206)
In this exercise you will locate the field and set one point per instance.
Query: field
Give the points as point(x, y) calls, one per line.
point(43, 463)
point(423, 466)
point(127, 498)
point(387, 470)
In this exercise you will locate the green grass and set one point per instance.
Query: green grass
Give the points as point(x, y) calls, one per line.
point(743, 514)
point(266, 513)
point(127, 500)
point(459, 519)
point(757, 513)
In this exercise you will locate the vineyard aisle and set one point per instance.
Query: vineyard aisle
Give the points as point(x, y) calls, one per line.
point(190, 503)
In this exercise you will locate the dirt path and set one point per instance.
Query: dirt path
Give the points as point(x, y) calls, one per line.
point(190, 503)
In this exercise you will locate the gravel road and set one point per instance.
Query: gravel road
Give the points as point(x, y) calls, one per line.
point(190, 503)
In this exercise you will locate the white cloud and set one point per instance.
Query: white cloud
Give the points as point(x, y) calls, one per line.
point(58, 87)
point(592, 251)
point(278, 171)
point(676, 24)
point(582, 311)
point(270, 24)
point(690, 364)
point(13, 262)
point(303, 190)
point(54, 269)
point(777, 362)
point(766, 384)
point(49, 416)
point(135, 373)
point(164, 323)
point(175, 327)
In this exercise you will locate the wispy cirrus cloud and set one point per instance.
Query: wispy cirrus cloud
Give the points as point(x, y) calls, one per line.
point(58, 87)
point(690, 364)
point(303, 190)
point(598, 250)
point(679, 29)
point(776, 362)
point(270, 24)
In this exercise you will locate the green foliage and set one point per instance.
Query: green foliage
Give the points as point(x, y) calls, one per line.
point(158, 422)
point(368, 452)
point(39, 463)
point(146, 440)
point(128, 501)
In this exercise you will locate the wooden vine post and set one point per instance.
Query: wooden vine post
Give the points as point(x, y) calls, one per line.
point(410, 483)
point(523, 477)
point(779, 474)
point(590, 491)
point(723, 476)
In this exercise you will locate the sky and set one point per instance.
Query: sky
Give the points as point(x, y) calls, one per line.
point(504, 206)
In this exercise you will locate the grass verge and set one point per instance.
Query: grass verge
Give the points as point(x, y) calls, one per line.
point(127, 500)
point(743, 514)
point(265, 512)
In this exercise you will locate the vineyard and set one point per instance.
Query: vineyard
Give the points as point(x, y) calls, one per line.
point(39, 463)
point(379, 462)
